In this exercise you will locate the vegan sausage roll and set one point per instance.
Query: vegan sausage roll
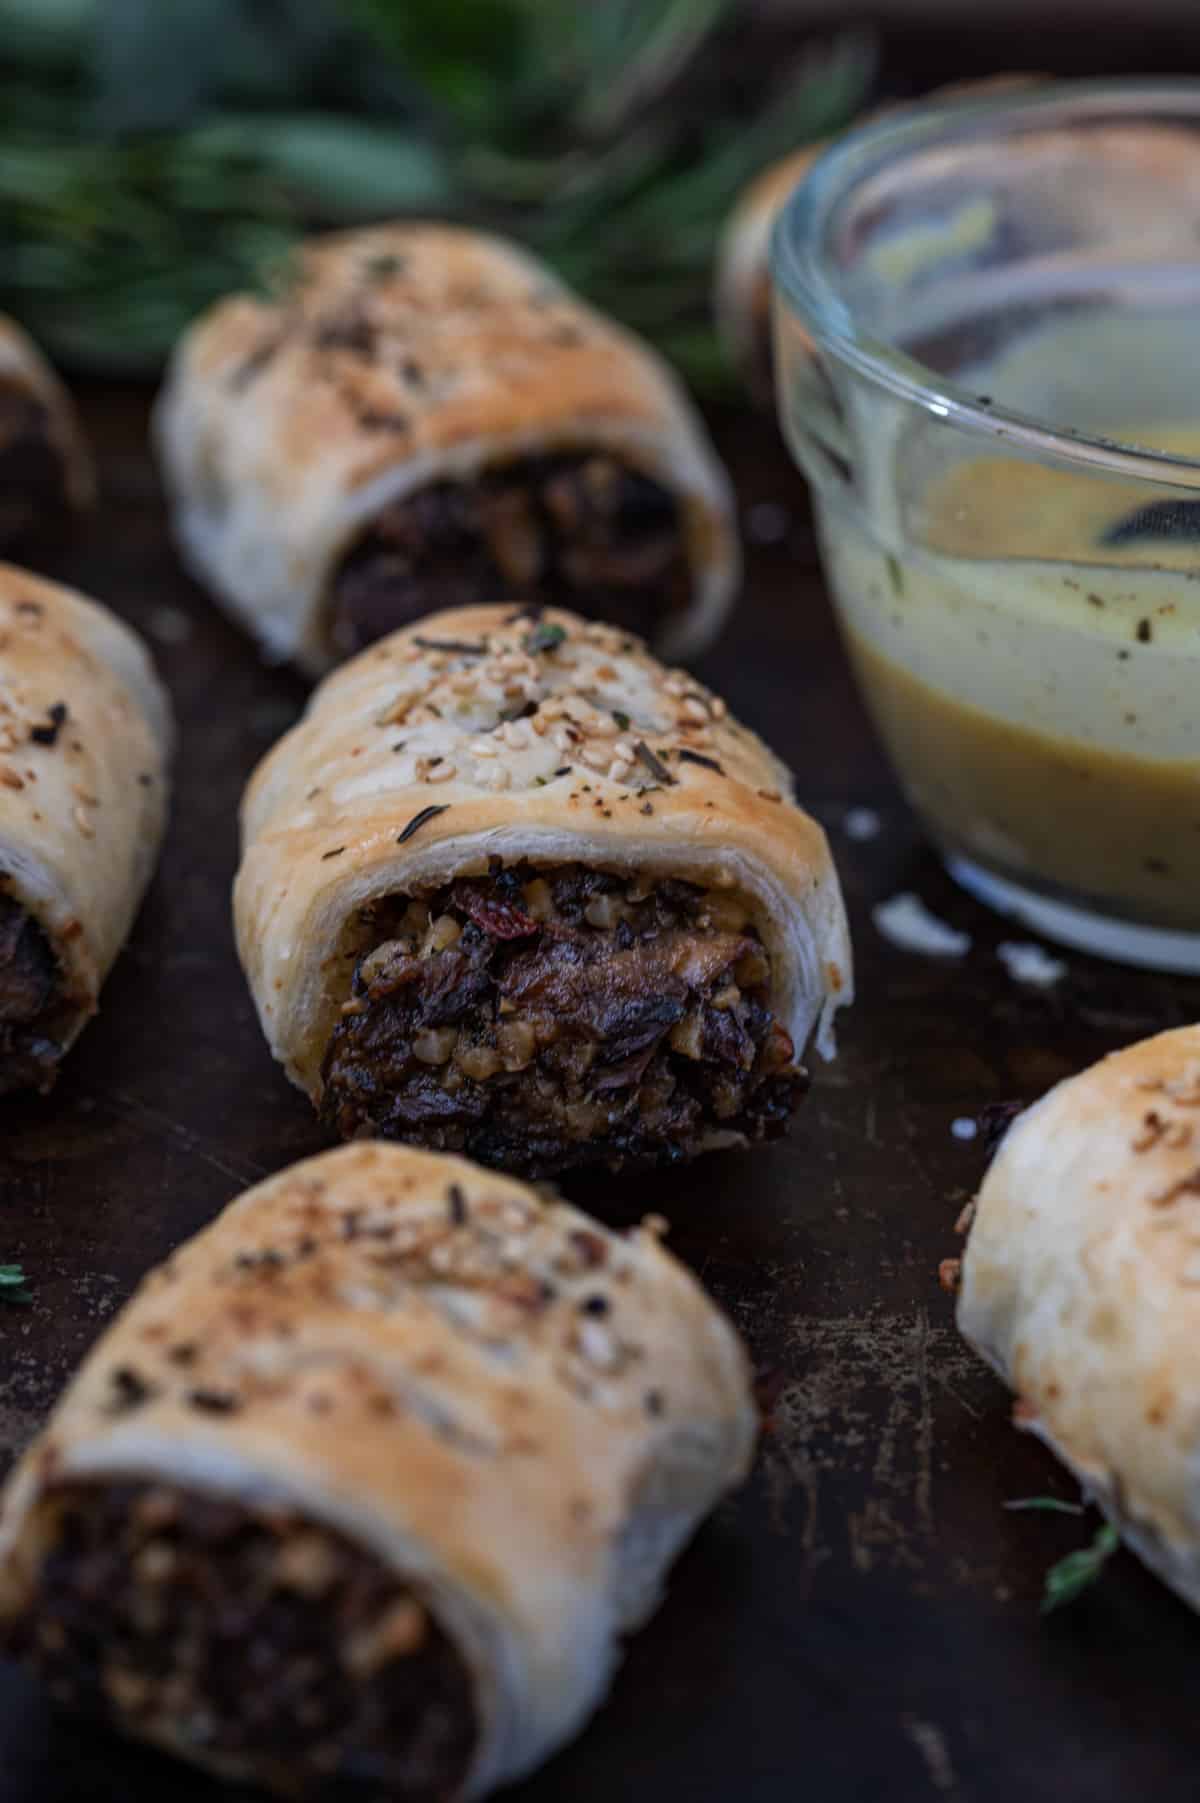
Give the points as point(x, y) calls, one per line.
point(428, 418)
point(512, 888)
point(742, 292)
point(1081, 1286)
point(84, 741)
point(359, 1493)
point(45, 468)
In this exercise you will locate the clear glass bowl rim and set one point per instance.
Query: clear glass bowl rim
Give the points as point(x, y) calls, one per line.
point(804, 285)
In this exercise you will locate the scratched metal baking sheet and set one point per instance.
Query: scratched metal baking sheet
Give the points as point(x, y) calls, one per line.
point(862, 1622)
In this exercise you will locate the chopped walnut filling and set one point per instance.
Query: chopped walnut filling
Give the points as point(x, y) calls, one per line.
point(258, 1639)
point(582, 530)
point(542, 1019)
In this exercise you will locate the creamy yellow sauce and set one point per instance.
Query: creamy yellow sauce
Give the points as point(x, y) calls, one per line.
point(1109, 828)
point(990, 506)
point(1038, 689)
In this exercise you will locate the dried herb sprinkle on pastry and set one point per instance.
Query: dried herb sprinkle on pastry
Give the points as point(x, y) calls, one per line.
point(427, 418)
point(360, 1493)
point(574, 917)
point(85, 736)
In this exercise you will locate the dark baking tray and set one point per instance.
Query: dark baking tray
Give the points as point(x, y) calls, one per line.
point(862, 1622)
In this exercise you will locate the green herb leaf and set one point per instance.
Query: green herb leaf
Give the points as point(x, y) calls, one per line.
point(13, 1284)
point(621, 719)
point(1051, 1504)
point(544, 637)
point(467, 54)
point(155, 157)
point(47, 35)
point(1079, 1570)
point(895, 573)
point(342, 169)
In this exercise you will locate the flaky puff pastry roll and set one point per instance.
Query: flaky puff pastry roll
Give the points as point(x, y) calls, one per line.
point(363, 1487)
point(1081, 1286)
point(514, 889)
point(45, 466)
point(427, 417)
point(85, 736)
point(742, 287)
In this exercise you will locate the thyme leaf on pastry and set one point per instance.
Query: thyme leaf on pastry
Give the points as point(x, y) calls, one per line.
point(420, 820)
point(695, 757)
point(546, 637)
point(654, 765)
point(454, 647)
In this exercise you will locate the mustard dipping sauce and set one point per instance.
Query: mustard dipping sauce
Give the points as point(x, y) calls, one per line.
point(1037, 684)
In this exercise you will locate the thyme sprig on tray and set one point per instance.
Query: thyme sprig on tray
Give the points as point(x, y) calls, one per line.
point(1077, 1571)
point(153, 157)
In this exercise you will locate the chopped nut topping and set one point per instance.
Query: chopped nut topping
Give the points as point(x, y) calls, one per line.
point(598, 1346)
point(1153, 1128)
point(399, 1632)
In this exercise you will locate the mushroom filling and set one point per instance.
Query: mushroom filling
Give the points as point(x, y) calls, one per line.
point(540, 1019)
point(258, 1639)
point(30, 997)
point(33, 477)
point(582, 530)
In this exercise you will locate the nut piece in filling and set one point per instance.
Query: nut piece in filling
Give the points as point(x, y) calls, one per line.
point(542, 1019)
point(293, 1657)
point(30, 1000)
point(33, 474)
point(584, 530)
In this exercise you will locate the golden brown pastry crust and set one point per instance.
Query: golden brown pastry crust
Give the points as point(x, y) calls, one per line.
point(1081, 1286)
point(529, 1459)
point(81, 816)
point(403, 355)
point(23, 366)
point(327, 819)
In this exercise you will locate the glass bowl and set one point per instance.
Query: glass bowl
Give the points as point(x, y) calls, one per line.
point(987, 355)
